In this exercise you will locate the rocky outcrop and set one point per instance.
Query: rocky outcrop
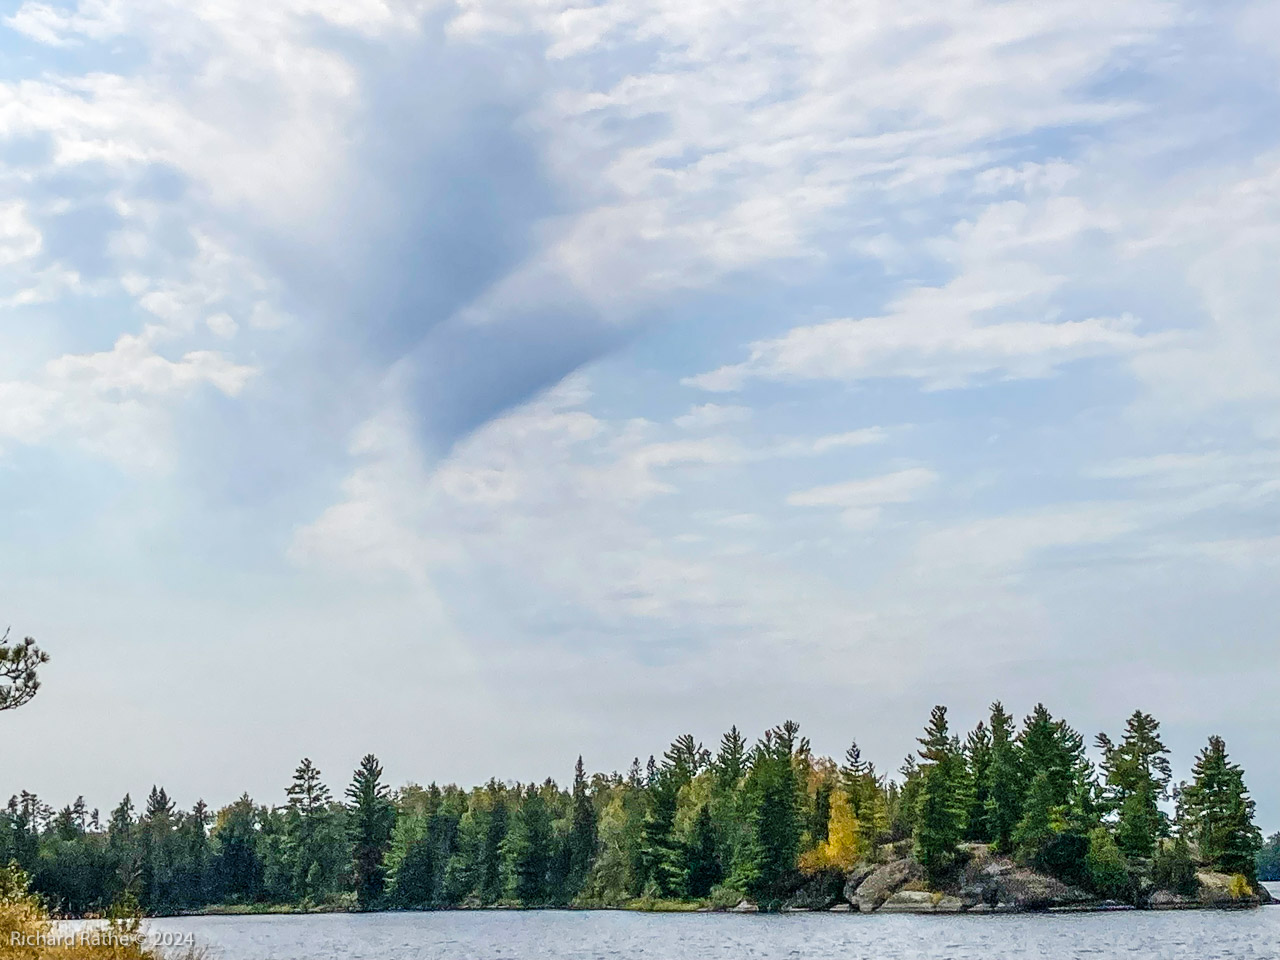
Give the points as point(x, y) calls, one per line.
point(989, 884)
point(853, 879)
point(883, 882)
point(1221, 890)
point(819, 892)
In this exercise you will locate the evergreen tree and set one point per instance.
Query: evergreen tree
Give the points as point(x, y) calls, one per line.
point(1173, 868)
point(773, 847)
point(371, 821)
point(731, 760)
point(702, 861)
point(528, 850)
point(582, 834)
point(1219, 813)
point(1107, 873)
point(19, 667)
point(939, 824)
point(1268, 860)
point(1004, 785)
point(312, 850)
point(660, 854)
point(410, 863)
point(236, 867)
point(1042, 819)
point(1137, 775)
point(977, 751)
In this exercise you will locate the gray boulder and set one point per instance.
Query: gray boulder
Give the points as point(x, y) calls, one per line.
point(885, 881)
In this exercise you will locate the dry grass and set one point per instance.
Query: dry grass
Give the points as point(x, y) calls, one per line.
point(27, 933)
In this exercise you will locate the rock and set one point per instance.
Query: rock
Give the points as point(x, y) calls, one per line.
point(745, 906)
point(853, 879)
point(948, 905)
point(1028, 890)
point(1165, 900)
point(883, 882)
point(908, 901)
point(816, 893)
point(921, 901)
point(840, 908)
point(1215, 891)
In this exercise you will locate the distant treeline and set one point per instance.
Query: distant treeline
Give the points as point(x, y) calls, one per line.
point(747, 820)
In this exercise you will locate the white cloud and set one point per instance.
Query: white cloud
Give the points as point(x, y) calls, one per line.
point(707, 416)
point(222, 325)
point(854, 438)
point(860, 501)
point(115, 403)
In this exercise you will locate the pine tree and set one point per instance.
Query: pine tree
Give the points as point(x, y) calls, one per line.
point(940, 807)
point(371, 821)
point(1137, 775)
point(1004, 784)
point(1219, 812)
point(730, 764)
point(19, 666)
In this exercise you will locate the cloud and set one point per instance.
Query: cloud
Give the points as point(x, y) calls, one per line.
point(861, 500)
point(115, 403)
point(710, 415)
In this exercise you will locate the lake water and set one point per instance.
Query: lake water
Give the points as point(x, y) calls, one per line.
point(574, 935)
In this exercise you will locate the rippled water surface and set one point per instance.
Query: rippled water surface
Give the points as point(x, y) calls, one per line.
point(567, 935)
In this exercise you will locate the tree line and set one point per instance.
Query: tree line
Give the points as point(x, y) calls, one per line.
point(745, 820)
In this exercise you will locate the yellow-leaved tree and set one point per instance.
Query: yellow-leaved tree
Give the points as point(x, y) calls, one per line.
point(843, 846)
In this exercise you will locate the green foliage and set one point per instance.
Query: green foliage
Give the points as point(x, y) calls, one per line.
point(1137, 775)
point(1004, 784)
point(1268, 859)
point(942, 802)
point(1218, 812)
point(1173, 869)
point(19, 671)
point(582, 833)
point(528, 851)
point(770, 855)
point(371, 820)
point(702, 860)
point(1105, 867)
point(744, 823)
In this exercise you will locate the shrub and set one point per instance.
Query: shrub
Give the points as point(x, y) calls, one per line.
point(1238, 887)
point(1105, 866)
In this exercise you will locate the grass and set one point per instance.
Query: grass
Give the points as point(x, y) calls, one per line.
point(27, 933)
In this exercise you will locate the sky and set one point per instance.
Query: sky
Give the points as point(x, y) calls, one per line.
point(481, 383)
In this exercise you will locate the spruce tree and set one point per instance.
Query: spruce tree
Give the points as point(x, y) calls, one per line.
point(1004, 786)
point(939, 824)
point(1219, 812)
point(582, 833)
point(372, 818)
point(702, 861)
point(977, 751)
point(774, 839)
point(527, 850)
